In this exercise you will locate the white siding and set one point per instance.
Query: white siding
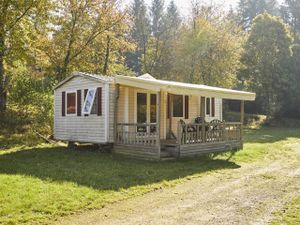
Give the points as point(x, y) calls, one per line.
point(82, 128)
point(218, 111)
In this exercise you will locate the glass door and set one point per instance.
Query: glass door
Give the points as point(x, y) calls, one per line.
point(141, 106)
point(146, 111)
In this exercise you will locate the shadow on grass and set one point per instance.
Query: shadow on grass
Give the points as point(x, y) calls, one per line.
point(270, 134)
point(101, 171)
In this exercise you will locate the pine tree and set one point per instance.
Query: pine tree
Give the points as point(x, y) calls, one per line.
point(290, 12)
point(249, 9)
point(266, 60)
point(157, 14)
point(140, 34)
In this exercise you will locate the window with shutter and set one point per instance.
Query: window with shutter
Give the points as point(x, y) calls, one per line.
point(71, 103)
point(89, 101)
point(177, 105)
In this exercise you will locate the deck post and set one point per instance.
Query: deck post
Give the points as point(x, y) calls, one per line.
point(158, 121)
point(116, 98)
point(170, 113)
point(242, 117)
point(202, 114)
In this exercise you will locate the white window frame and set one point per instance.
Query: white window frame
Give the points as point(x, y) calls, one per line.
point(92, 102)
point(66, 103)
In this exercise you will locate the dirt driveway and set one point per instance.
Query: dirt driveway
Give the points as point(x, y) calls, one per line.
point(247, 195)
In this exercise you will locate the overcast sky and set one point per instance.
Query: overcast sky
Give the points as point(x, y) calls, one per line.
point(185, 5)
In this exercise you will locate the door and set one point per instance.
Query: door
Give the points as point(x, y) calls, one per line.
point(146, 111)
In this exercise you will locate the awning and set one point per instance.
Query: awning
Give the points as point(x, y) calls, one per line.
point(150, 83)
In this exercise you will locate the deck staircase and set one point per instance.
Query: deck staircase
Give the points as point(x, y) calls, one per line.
point(169, 149)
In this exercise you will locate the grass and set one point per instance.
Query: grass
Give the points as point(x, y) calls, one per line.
point(45, 182)
point(290, 214)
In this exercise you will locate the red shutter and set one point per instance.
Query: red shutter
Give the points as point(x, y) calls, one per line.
point(99, 98)
point(213, 107)
point(168, 106)
point(78, 102)
point(85, 93)
point(186, 107)
point(63, 103)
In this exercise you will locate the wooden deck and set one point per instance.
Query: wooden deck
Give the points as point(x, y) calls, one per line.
point(142, 141)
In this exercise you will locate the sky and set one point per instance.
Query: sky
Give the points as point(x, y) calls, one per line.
point(185, 5)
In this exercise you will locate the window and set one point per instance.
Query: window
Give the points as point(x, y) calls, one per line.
point(153, 108)
point(177, 106)
point(89, 101)
point(141, 111)
point(153, 111)
point(71, 103)
point(95, 105)
point(207, 106)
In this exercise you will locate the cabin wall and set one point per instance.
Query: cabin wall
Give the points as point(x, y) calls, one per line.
point(90, 128)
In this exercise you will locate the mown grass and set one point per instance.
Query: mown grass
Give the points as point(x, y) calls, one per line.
point(290, 214)
point(45, 182)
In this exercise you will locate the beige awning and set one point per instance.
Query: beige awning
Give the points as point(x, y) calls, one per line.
point(148, 82)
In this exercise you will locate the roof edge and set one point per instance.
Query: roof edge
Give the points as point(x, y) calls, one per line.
point(80, 74)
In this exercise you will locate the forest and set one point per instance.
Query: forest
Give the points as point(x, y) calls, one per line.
point(254, 46)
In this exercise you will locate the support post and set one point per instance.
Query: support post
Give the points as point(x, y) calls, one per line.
point(203, 135)
point(170, 114)
point(158, 121)
point(242, 117)
point(116, 103)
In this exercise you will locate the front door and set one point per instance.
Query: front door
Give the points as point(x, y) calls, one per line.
point(146, 111)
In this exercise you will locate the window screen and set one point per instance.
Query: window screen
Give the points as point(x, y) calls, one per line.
point(177, 106)
point(71, 103)
point(89, 101)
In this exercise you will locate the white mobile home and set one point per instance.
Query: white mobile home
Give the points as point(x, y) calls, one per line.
point(144, 117)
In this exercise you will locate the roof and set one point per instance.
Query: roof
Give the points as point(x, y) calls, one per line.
point(146, 81)
point(96, 77)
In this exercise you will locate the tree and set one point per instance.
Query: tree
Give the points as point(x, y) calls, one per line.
point(139, 34)
point(249, 9)
point(157, 15)
point(209, 51)
point(291, 102)
point(162, 45)
point(290, 12)
point(266, 61)
point(76, 27)
point(17, 20)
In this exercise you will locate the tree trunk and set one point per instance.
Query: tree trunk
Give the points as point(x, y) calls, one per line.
point(105, 67)
point(2, 83)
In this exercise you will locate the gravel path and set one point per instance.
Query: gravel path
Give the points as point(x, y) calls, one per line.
point(247, 195)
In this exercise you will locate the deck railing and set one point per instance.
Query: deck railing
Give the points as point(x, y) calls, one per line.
point(188, 134)
point(144, 134)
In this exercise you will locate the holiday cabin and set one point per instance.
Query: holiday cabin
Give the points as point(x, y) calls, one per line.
point(143, 117)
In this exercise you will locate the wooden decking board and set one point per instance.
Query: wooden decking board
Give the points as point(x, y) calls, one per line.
point(175, 150)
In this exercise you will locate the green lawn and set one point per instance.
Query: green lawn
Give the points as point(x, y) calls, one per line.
point(290, 214)
point(45, 182)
